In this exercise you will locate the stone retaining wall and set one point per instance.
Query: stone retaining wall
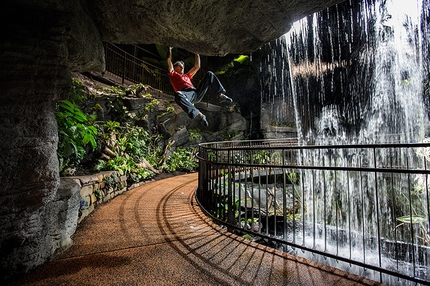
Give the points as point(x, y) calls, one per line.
point(98, 188)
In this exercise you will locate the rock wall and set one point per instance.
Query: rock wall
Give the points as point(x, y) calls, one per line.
point(37, 47)
point(93, 190)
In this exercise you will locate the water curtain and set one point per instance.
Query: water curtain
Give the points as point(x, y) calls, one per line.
point(358, 73)
point(354, 73)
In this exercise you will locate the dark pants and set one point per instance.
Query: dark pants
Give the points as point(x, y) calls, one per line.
point(186, 98)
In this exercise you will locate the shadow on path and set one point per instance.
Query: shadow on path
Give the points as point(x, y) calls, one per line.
point(157, 235)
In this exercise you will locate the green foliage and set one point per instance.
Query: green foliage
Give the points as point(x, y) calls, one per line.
point(75, 133)
point(293, 177)
point(170, 109)
point(247, 237)
point(181, 159)
point(241, 59)
point(78, 90)
point(117, 110)
point(194, 134)
point(113, 181)
point(211, 156)
point(260, 157)
point(239, 66)
point(241, 78)
point(149, 107)
point(412, 219)
point(125, 165)
point(283, 124)
point(231, 68)
point(99, 194)
point(133, 144)
point(169, 106)
point(230, 135)
point(117, 90)
point(134, 89)
point(112, 126)
point(136, 142)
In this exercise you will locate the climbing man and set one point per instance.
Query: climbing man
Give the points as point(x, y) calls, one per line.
point(185, 92)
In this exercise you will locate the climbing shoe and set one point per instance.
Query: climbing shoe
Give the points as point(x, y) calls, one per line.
point(203, 121)
point(225, 99)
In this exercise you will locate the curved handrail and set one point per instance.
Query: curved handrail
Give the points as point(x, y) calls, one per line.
point(291, 194)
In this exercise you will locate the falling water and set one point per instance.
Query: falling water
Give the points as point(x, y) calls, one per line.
point(354, 74)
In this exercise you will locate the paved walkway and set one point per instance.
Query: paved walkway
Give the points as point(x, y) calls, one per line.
point(157, 235)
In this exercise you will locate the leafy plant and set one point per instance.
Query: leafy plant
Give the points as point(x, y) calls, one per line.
point(129, 149)
point(117, 110)
point(75, 133)
point(134, 89)
point(112, 126)
point(170, 109)
point(194, 134)
point(260, 157)
point(133, 144)
point(181, 159)
point(422, 225)
point(231, 135)
point(117, 90)
point(149, 107)
point(140, 174)
point(99, 194)
point(77, 89)
point(247, 236)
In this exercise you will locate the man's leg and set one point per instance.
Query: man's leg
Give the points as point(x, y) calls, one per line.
point(209, 79)
point(183, 99)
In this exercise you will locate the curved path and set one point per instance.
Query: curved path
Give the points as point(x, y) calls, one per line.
point(157, 235)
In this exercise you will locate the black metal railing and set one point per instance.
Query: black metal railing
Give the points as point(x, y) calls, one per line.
point(130, 68)
point(360, 208)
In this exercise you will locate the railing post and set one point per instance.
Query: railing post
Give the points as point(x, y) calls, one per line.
point(123, 68)
point(133, 75)
point(230, 181)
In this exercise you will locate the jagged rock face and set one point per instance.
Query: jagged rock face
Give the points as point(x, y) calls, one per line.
point(206, 27)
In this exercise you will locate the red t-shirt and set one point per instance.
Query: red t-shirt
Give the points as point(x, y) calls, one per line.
point(180, 81)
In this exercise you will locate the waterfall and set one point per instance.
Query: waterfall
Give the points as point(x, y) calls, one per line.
point(356, 73)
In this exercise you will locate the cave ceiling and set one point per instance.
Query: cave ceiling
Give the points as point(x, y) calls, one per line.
point(206, 27)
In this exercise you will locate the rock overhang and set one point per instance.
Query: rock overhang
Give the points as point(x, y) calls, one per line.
point(205, 27)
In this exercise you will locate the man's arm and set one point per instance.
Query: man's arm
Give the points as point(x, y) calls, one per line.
point(196, 66)
point(169, 60)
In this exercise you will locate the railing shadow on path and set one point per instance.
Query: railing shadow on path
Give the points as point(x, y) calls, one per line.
point(156, 234)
